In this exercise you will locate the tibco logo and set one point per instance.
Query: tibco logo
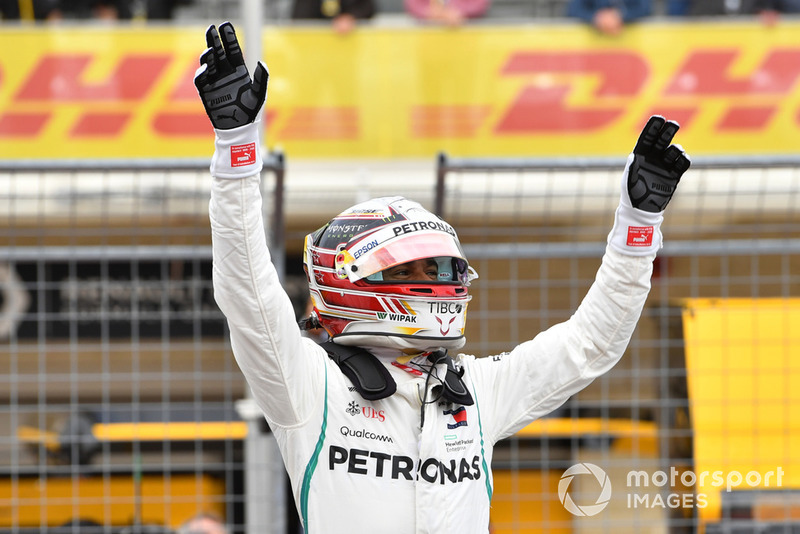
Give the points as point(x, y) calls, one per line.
point(584, 469)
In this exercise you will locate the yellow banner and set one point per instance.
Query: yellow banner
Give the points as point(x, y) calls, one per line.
point(744, 400)
point(409, 92)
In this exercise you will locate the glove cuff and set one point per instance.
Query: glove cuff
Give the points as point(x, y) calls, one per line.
point(635, 232)
point(237, 152)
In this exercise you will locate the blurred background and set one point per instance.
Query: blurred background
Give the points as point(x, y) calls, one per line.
point(123, 410)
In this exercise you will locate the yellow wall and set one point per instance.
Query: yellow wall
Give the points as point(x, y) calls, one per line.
point(526, 501)
point(531, 90)
point(34, 502)
point(743, 370)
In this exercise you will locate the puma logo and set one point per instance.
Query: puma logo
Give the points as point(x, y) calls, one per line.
point(220, 100)
point(232, 116)
point(661, 187)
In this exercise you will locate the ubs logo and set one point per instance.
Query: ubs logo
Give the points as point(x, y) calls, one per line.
point(353, 409)
point(367, 411)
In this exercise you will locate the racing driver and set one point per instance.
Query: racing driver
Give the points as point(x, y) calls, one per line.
point(385, 428)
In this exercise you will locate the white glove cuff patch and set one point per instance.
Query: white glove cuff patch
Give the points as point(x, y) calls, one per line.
point(635, 232)
point(243, 155)
point(237, 153)
point(640, 236)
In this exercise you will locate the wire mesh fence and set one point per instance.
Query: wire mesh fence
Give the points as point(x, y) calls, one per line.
point(680, 403)
point(121, 399)
point(119, 386)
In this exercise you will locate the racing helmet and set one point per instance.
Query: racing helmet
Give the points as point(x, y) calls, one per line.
point(344, 262)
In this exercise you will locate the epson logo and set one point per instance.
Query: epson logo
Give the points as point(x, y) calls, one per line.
point(366, 248)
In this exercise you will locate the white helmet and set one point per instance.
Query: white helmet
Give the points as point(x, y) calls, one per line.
point(344, 261)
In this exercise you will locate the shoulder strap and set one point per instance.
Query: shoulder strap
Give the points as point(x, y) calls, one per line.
point(370, 378)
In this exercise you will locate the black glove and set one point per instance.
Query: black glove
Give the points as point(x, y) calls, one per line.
point(657, 166)
point(651, 174)
point(231, 99)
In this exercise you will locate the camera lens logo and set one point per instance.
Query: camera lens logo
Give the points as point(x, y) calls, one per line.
point(584, 469)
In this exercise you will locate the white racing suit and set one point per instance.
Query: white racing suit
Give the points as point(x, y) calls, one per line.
point(360, 466)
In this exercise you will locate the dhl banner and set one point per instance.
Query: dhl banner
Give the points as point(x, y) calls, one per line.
point(526, 90)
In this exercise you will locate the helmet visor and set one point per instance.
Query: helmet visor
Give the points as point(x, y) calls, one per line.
point(371, 255)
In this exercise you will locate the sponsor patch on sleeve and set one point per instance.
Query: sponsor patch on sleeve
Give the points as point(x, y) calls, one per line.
point(242, 155)
point(640, 236)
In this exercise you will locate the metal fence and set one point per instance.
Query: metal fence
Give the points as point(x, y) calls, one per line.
point(535, 231)
point(122, 404)
point(119, 388)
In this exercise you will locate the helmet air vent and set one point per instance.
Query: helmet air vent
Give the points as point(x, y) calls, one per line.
point(426, 290)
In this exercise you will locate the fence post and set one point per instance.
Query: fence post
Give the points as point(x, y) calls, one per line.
point(441, 172)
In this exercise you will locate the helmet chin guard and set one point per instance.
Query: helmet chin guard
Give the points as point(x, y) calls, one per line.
point(344, 261)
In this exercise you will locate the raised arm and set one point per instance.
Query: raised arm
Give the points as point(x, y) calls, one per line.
point(539, 375)
point(265, 338)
